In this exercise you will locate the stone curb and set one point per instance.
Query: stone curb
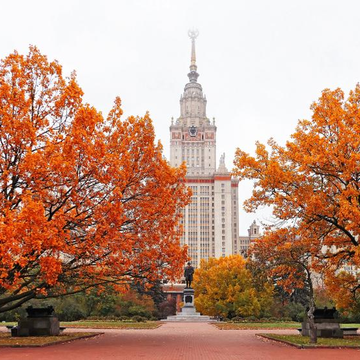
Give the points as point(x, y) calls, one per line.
point(252, 328)
point(312, 347)
point(53, 342)
point(112, 328)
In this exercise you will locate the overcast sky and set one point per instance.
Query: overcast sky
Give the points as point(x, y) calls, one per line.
point(261, 63)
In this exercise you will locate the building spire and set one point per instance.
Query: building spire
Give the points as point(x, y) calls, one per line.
point(193, 75)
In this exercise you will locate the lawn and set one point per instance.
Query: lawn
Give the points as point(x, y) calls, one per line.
point(35, 341)
point(350, 325)
point(304, 341)
point(102, 324)
point(267, 326)
point(255, 325)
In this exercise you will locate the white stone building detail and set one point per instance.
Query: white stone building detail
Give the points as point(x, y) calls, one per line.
point(245, 241)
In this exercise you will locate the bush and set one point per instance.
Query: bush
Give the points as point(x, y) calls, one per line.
point(138, 310)
point(70, 311)
point(167, 308)
point(348, 317)
point(124, 318)
point(13, 315)
point(252, 319)
point(138, 318)
point(237, 319)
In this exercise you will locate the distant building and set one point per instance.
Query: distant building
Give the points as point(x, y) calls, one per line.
point(245, 241)
point(211, 220)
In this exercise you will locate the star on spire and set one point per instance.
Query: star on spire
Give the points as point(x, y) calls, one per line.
point(193, 34)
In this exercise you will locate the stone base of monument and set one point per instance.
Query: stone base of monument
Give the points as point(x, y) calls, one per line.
point(324, 328)
point(39, 322)
point(188, 311)
point(327, 325)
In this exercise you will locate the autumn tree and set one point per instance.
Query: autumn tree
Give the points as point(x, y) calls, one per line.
point(84, 200)
point(312, 183)
point(291, 263)
point(224, 287)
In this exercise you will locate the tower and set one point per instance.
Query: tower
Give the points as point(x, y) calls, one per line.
point(193, 137)
point(211, 219)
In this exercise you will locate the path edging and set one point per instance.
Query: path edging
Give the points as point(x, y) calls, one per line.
point(268, 337)
point(53, 342)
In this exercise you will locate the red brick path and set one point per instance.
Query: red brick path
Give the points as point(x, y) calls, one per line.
point(176, 341)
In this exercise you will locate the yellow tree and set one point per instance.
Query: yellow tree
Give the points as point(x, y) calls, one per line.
point(224, 287)
point(84, 200)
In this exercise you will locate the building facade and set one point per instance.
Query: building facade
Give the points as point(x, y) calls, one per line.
point(211, 220)
point(245, 241)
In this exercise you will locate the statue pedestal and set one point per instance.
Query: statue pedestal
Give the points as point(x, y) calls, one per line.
point(188, 312)
point(188, 299)
point(39, 322)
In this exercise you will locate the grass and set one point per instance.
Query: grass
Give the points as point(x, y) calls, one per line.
point(267, 326)
point(304, 341)
point(102, 324)
point(255, 325)
point(37, 341)
point(350, 325)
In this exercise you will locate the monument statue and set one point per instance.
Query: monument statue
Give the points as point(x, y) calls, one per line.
point(188, 274)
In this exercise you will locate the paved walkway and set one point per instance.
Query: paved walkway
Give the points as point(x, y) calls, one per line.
point(176, 341)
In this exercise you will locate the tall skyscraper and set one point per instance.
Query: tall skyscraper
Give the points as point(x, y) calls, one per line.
point(211, 220)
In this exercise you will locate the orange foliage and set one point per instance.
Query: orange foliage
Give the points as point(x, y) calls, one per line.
point(287, 259)
point(313, 182)
point(84, 200)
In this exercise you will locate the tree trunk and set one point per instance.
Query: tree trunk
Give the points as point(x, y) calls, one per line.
point(310, 315)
